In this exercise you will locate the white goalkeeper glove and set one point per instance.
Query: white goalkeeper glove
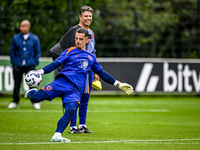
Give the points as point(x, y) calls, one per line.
point(124, 87)
point(41, 71)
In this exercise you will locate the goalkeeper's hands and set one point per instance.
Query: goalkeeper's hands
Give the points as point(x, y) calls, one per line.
point(41, 71)
point(124, 87)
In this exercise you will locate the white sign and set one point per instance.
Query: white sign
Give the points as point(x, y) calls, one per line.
point(6, 79)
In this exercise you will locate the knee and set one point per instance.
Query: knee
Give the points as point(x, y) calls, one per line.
point(71, 107)
point(39, 96)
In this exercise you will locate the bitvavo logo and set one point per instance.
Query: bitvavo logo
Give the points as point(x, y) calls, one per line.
point(180, 79)
point(172, 80)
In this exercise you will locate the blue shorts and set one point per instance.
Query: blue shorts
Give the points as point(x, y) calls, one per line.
point(64, 88)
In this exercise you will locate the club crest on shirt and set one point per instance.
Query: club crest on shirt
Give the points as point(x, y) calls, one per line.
point(83, 64)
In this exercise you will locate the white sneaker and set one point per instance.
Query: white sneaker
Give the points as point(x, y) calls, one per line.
point(36, 105)
point(13, 105)
point(59, 139)
point(26, 94)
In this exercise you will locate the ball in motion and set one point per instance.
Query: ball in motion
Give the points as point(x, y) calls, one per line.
point(33, 78)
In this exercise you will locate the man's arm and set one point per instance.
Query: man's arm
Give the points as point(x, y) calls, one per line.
point(49, 68)
point(38, 50)
point(12, 51)
point(109, 79)
point(106, 76)
point(59, 61)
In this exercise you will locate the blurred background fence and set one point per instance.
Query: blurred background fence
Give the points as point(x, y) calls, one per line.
point(148, 28)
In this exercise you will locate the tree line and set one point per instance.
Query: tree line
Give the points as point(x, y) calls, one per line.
point(147, 28)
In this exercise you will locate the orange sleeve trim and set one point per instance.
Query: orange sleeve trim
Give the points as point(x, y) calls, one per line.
point(43, 89)
point(69, 50)
point(88, 89)
point(91, 30)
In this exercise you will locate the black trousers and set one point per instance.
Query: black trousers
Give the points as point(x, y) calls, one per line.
point(18, 74)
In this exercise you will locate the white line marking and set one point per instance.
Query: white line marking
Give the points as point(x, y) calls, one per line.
point(166, 143)
point(133, 110)
point(155, 141)
point(89, 111)
point(112, 102)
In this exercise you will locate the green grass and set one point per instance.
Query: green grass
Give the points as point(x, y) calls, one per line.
point(145, 122)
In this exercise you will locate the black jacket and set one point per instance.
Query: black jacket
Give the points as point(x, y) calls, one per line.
point(68, 40)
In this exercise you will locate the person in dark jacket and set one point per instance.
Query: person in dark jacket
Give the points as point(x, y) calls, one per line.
point(24, 55)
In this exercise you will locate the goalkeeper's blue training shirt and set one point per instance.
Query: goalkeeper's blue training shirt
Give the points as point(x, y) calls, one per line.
point(77, 64)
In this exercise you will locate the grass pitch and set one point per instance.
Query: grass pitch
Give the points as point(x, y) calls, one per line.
point(117, 122)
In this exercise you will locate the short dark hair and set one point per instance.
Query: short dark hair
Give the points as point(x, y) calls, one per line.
point(85, 8)
point(82, 30)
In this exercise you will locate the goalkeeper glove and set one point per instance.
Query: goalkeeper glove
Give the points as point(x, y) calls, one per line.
point(124, 87)
point(41, 71)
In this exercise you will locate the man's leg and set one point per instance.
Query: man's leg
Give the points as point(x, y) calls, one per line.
point(70, 109)
point(36, 96)
point(73, 128)
point(82, 116)
point(26, 70)
point(73, 120)
point(83, 108)
point(83, 113)
point(17, 75)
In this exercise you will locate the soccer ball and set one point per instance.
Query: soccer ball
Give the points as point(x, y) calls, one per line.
point(33, 78)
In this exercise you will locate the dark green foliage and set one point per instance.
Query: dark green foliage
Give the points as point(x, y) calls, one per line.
point(166, 28)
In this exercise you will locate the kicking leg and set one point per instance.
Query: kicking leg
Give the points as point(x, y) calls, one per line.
point(36, 96)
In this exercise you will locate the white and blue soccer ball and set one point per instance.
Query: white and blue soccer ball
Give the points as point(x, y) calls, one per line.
point(33, 78)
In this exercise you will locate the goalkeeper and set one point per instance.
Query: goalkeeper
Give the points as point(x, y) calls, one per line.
point(68, 40)
point(69, 84)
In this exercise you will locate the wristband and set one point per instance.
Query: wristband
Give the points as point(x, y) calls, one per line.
point(117, 83)
point(41, 71)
